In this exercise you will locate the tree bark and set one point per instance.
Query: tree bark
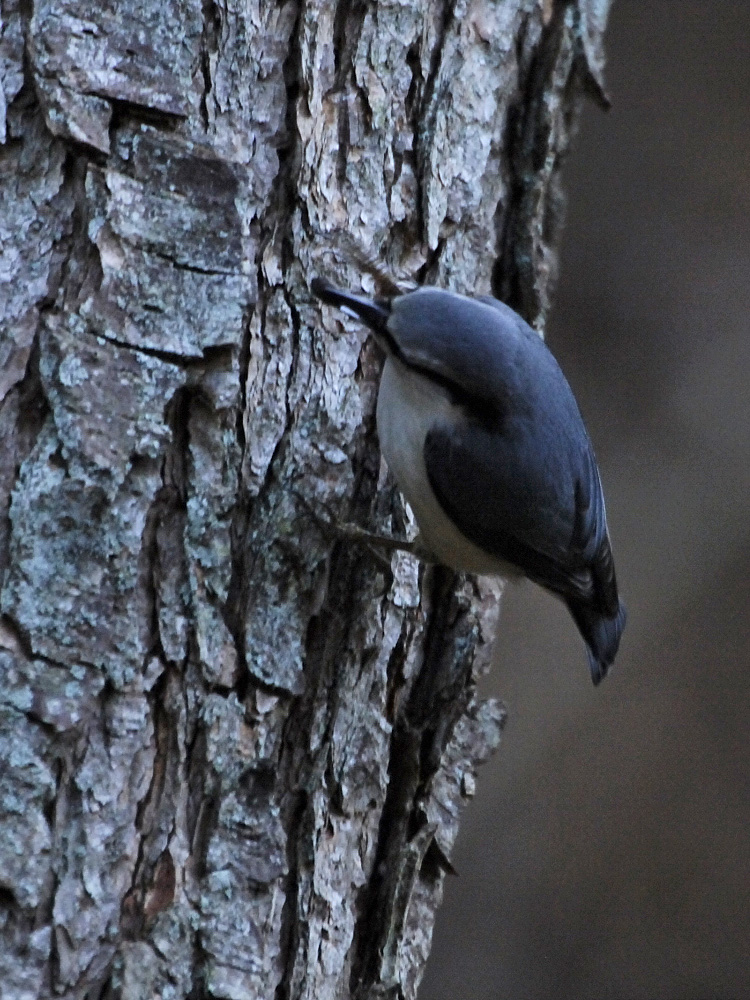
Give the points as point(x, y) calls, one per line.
point(233, 752)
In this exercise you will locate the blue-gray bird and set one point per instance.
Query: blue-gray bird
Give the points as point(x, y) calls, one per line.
point(485, 440)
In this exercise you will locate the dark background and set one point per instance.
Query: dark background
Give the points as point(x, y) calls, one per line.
point(607, 853)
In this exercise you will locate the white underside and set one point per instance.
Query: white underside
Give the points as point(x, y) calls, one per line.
point(408, 406)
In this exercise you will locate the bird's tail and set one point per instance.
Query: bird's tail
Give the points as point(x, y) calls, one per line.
point(373, 312)
point(601, 635)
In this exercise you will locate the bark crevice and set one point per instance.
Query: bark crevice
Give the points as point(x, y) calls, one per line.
point(239, 748)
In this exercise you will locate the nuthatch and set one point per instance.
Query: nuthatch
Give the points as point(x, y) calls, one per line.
point(485, 440)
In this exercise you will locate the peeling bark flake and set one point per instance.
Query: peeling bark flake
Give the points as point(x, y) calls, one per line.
point(233, 749)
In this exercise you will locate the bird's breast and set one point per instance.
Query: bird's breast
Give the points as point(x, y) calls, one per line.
point(409, 405)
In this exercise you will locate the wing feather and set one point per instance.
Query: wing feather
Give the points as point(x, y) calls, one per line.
point(546, 517)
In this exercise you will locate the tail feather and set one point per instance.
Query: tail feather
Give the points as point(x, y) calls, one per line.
point(601, 635)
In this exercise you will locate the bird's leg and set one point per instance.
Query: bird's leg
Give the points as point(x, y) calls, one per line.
point(354, 533)
point(376, 543)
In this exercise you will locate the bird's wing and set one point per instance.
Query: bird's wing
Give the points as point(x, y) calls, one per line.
point(591, 537)
point(528, 504)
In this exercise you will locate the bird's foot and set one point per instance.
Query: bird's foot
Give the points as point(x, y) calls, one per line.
point(374, 542)
point(372, 539)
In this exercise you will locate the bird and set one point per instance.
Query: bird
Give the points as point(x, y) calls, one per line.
point(484, 438)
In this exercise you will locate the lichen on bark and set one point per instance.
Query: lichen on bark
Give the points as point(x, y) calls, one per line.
point(235, 751)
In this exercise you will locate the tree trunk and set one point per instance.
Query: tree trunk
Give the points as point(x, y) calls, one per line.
point(233, 752)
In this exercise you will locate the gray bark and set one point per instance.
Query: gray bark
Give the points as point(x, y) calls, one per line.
point(233, 753)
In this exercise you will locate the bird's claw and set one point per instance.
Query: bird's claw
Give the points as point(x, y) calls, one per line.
point(373, 541)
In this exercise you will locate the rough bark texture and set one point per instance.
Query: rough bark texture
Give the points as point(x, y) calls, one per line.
point(233, 753)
